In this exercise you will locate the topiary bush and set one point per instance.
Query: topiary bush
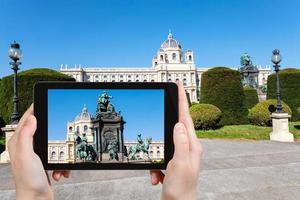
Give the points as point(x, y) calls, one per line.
point(205, 116)
point(222, 87)
point(260, 114)
point(290, 89)
point(26, 81)
point(251, 97)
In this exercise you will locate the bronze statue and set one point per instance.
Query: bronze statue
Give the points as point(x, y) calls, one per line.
point(84, 151)
point(141, 146)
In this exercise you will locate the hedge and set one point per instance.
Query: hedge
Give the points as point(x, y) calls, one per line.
point(26, 81)
point(251, 97)
point(222, 87)
point(260, 114)
point(205, 116)
point(290, 89)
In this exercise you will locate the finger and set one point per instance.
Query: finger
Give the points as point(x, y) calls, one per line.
point(66, 174)
point(23, 119)
point(184, 116)
point(25, 137)
point(56, 175)
point(156, 177)
point(181, 142)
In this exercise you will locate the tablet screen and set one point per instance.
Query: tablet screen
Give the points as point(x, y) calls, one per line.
point(106, 126)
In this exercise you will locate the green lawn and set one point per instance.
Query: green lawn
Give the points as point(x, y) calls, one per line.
point(251, 132)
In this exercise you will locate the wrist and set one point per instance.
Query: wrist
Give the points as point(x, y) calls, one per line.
point(187, 195)
point(24, 195)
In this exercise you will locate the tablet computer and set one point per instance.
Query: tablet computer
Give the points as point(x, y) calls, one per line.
point(93, 125)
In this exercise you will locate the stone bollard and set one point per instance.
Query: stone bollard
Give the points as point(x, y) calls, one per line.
point(280, 124)
point(9, 131)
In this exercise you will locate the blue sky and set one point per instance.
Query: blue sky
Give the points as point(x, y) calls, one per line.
point(143, 110)
point(129, 32)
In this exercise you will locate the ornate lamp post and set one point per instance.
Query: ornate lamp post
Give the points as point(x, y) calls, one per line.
point(280, 119)
point(276, 59)
point(15, 54)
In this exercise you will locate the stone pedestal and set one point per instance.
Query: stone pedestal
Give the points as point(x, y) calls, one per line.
point(280, 123)
point(9, 131)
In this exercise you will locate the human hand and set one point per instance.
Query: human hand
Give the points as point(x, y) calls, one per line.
point(31, 180)
point(181, 177)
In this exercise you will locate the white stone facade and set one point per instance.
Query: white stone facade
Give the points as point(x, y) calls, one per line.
point(170, 63)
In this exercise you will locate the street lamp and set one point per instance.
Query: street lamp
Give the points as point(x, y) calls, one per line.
point(15, 54)
point(276, 59)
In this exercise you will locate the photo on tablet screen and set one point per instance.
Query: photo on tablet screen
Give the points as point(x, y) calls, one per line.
point(106, 126)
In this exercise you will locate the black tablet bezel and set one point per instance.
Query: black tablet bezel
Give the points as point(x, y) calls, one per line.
point(41, 114)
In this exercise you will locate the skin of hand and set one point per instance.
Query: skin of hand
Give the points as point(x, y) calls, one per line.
point(181, 177)
point(31, 180)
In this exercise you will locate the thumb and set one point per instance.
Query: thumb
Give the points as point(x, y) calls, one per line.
point(26, 132)
point(181, 141)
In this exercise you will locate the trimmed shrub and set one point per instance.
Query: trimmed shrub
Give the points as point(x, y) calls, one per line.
point(26, 81)
point(205, 116)
point(222, 87)
point(260, 114)
point(251, 97)
point(290, 89)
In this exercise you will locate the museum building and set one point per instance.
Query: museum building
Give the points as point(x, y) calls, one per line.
point(169, 64)
point(63, 151)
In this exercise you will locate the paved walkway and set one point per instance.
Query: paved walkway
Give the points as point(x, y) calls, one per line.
point(257, 170)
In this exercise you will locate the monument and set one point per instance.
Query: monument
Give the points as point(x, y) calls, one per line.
point(249, 72)
point(108, 129)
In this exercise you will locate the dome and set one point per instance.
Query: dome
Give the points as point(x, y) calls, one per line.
point(170, 43)
point(84, 115)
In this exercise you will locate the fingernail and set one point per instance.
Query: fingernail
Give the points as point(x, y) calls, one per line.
point(179, 127)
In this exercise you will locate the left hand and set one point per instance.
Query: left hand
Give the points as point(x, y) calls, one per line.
point(31, 180)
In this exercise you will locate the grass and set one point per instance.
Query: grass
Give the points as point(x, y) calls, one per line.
point(250, 132)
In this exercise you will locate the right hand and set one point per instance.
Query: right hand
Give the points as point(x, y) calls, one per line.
point(181, 177)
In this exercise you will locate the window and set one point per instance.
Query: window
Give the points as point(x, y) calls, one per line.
point(113, 76)
point(70, 129)
point(105, 76)
point(184, 81)
point(113, 81)
point(137, 80)
point(85, 128)
point(121, 76)
point(145, 80)
point(61, 155)
point(169, 80)
point(96, 76)
point(121, 81)
point(129, 80)
point(155, 63)
point(53, 154)
point(96, 81)
point(174, 56)
point(190, 58)
point(157, 147)
point(161, 57)
point(158, 154)
point(77, 129)
point(177, 79)
point(136, 76)
point(129, 76)
point(169, 74)
point(184, 75)
point(152, 80)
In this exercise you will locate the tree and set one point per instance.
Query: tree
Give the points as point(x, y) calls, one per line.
point(222, 87)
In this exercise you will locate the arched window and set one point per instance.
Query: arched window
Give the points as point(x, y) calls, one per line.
point(70, 129)
point(85, 128)
point(129, 80)
point(190, 58)
point(61, 155)
point(184, 81)
point(169, 80)
point(145, 80)
point(161, 57)
point(152, 80)
point(174, 56)
point(96, 76)
point(53, 154)
point(77, 129)
point(105, 76)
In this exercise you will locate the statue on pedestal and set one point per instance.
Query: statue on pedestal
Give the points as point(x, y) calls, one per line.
point(249, 72)
point(113, 150)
